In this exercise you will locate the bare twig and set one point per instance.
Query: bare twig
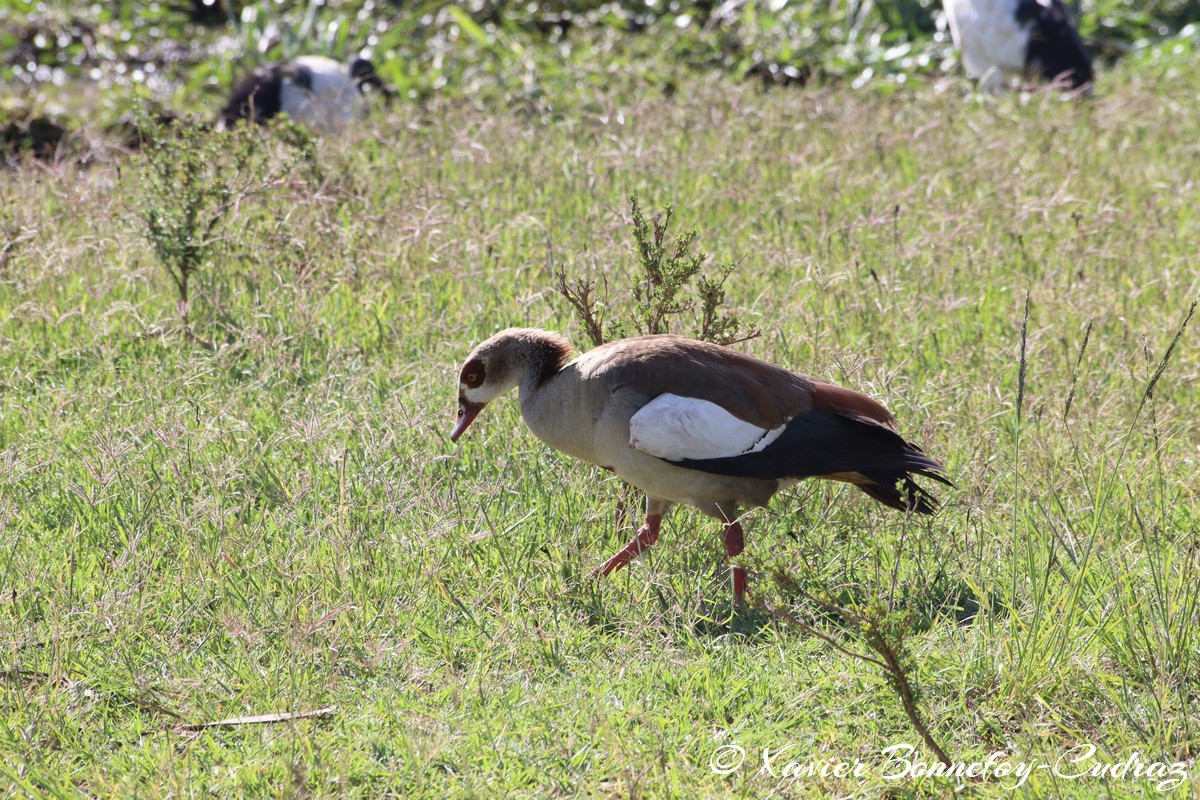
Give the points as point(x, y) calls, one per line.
point(899, 678)
point(811, 631)
point(579, 295)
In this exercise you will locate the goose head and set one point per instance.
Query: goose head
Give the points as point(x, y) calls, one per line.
point(523, 357)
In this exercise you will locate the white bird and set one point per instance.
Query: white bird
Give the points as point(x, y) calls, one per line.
point(999, 39)
point(319, 92)
point(691, 422)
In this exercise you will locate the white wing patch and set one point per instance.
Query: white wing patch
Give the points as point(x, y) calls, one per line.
point(333, 101)
point(990, 39)
point(674, 428)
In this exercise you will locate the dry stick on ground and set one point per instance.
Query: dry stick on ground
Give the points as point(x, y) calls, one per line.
point(260, 719)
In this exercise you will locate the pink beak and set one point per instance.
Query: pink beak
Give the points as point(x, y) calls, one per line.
point(467, 412)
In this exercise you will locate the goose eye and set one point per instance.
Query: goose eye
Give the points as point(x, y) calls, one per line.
point(473, 374)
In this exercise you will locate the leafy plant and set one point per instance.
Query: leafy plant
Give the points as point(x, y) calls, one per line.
point(193, 181)
point(661, 290)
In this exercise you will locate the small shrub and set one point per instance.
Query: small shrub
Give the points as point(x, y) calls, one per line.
point(660, 291)
point(193, 181)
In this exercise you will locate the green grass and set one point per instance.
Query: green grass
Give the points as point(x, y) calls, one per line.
point(281, 524)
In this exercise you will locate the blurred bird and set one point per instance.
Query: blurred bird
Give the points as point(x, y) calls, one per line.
point(319, 92)
point(1003, 38)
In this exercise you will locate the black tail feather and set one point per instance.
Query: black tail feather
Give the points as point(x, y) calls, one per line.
point(898, 490)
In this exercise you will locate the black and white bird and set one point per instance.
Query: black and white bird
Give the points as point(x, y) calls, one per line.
point(999, 39)
point(689, 422)
point(315, 91)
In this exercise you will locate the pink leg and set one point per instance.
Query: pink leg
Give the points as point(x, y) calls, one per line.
point(646, 536)
point(734, 544)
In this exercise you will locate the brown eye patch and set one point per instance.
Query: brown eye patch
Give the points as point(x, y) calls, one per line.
point(473, 374)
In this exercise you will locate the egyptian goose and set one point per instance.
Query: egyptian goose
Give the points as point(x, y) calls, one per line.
point(690, 422)
point(315, 91)
point(999, 38)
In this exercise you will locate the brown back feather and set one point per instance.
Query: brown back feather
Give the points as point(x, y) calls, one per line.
point(749, 388)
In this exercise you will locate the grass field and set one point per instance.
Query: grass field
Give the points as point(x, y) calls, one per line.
point(267, 516)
